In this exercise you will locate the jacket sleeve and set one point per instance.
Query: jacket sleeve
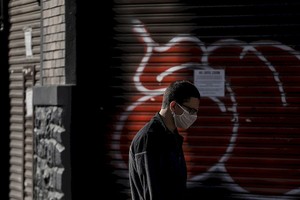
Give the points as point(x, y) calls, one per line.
point(146, 173)
point(154, 174)
point(145, 176)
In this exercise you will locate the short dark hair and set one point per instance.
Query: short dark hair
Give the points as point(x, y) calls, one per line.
point(180, 91)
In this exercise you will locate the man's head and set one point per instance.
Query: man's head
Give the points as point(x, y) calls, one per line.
point(180, 91)
point(181, 99)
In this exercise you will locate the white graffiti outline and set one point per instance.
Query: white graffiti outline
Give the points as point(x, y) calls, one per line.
point(151, 46)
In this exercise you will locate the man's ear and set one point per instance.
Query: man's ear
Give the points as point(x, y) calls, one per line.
point(172, 105)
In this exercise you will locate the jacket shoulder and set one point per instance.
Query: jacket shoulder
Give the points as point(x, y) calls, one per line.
point(147, 136)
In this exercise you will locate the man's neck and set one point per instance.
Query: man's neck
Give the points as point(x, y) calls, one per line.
point(167, 118)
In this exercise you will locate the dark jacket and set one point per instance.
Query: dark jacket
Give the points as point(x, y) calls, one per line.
point(157, 168)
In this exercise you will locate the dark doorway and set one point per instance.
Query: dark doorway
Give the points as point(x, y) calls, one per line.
point(91, 175)
point(4, 100)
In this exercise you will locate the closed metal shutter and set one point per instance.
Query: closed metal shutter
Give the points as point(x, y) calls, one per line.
point(24, 16)
point(245, 144)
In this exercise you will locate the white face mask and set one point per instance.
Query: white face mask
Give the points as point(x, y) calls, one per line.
point(185, 120)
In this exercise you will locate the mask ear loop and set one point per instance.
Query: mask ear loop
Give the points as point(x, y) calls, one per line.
point(184, 110)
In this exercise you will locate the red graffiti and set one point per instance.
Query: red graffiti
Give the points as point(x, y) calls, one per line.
point(251, 136)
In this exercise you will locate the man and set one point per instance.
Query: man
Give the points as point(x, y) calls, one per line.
point(157, 168)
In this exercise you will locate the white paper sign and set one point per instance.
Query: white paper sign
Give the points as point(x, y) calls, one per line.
point(29, 108)
point(210, 82)
point(28, 43)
